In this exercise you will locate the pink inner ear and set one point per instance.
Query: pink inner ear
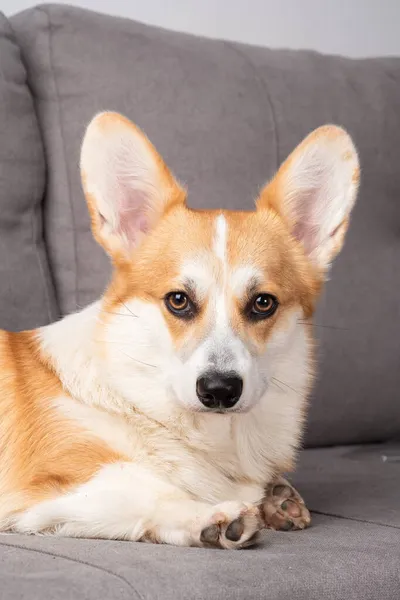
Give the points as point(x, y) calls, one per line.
point(307, 217)
point(133, 215)
point(307, 234)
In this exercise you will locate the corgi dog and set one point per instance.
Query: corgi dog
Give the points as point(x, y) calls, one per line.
point(168, 411)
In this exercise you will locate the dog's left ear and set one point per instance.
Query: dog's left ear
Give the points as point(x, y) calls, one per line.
point(128, 186)
point(315, 190)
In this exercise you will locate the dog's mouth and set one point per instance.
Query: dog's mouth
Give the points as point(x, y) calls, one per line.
point(237, 410)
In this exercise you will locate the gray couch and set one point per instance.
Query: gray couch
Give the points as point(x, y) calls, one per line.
point(224, 115)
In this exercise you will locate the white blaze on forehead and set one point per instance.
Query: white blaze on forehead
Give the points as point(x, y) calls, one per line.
point(221, 228)
point(220, 241)
point(200, 268)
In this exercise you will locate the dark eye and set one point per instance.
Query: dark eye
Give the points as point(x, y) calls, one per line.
point(263, 305)
point(179, 304)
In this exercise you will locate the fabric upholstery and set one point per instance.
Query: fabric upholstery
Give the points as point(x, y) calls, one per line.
point(353, 482)
point(26, 290)
point(336, 559)
point(224, 115)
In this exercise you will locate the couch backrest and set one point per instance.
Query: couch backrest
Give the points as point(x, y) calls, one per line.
point(26, 290)
point(224, 116)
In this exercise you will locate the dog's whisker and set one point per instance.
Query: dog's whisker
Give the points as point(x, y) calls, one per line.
point(288, 386)
point(323, 326)
point(278, 386)
point(122, 343)
point(109, 312)
point(129, 310)
point(127, 307)
point(139, 361)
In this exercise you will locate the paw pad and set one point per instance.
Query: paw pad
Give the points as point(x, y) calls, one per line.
point(283, 508)
point(235, 530)
point(210, 535)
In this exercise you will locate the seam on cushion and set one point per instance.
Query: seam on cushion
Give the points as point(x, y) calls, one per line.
point(328, 514)
point(61, 130)
point(261, 84)
point(41, 267)
point(78, 561)
point(40, 196)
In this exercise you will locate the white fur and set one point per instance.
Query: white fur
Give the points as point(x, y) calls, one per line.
point(218, 449)
point(126, 501)
point(220, 240)
point(220, 305)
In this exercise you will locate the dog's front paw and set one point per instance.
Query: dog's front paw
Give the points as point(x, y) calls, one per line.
point(283, 508)
point(231, 525)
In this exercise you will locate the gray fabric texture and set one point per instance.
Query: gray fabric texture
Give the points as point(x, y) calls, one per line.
point(26, 292)
point(355, 482)
point(224, 115)
point(336, 559)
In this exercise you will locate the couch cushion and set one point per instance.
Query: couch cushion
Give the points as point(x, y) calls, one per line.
point(224, 115)
point(35, 572)
point(26, 291)
point(334, 560)
point(353, 482)
point(355, 554)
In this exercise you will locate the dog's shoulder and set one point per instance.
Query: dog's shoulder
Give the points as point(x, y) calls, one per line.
point(42, 452)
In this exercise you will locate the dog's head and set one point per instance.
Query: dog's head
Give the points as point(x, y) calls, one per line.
point(204, 303)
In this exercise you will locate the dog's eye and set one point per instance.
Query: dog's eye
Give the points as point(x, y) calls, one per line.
point(179, 304)
point(264, 305)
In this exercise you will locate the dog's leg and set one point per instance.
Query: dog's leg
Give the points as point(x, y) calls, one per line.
point(283, 508)
point(126, 501)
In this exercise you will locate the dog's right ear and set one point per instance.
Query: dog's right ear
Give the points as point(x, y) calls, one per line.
point(127, 185)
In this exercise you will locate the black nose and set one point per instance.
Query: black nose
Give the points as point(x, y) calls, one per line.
point(219, 391)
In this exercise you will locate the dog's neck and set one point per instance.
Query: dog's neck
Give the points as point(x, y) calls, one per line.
point(71, 347)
